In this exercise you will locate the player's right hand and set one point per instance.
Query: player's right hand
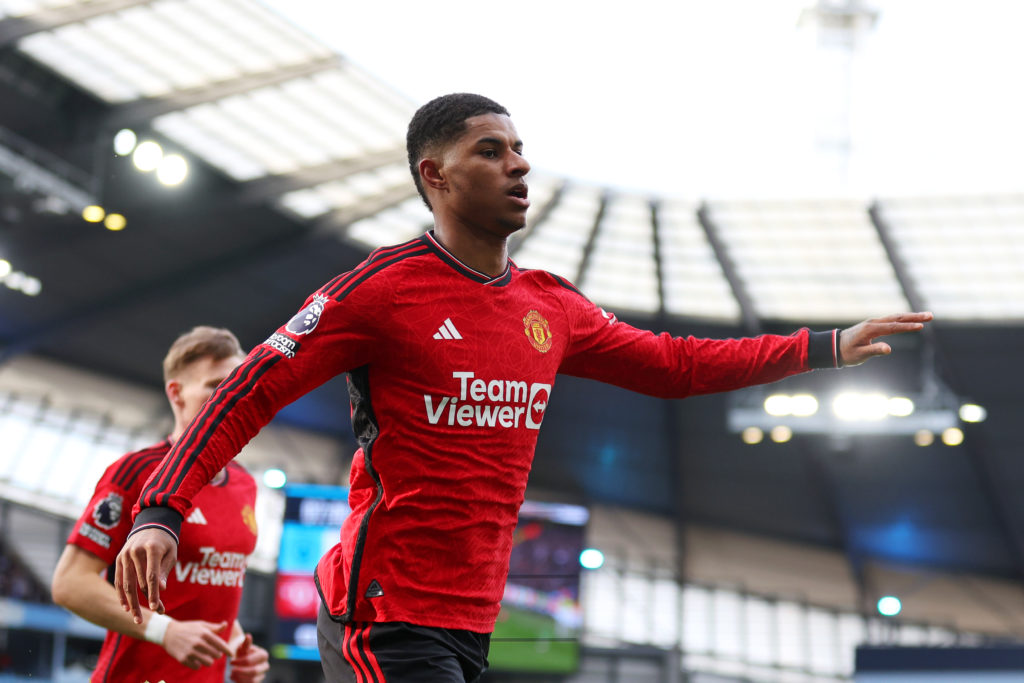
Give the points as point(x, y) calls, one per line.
point(144, 563)
point(195, 643)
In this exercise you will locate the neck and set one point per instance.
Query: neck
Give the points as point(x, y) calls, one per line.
point(481, 251)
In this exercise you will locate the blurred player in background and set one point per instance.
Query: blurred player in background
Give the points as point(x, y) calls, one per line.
point(198, 631)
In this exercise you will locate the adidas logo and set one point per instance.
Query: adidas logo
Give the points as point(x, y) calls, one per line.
point(196, 517)
point(447, 331)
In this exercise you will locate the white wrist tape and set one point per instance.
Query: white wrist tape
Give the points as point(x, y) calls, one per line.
point(156, 628)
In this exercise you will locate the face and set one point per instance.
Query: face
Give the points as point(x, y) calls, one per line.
point(482, 177)
point(196, 383)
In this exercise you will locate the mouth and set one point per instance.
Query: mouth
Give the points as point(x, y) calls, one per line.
point(519, 193)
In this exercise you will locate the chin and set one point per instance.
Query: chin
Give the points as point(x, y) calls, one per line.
point(514, 225)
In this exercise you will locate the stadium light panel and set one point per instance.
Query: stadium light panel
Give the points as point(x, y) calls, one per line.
point(5, 267)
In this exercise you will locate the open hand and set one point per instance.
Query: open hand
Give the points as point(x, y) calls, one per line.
point(144, 562)
point(857, 343)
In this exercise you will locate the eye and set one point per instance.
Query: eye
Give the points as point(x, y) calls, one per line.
point(490, 153)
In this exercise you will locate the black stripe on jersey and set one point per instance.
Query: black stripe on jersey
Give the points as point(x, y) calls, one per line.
point(462, 268)
point(357, 277)
point(222, 401)
point(139, 466)
point(150, 495)
point(374, 256)
point(110, 662)
point(568, 285)
point(132, 464)
point(366, 429)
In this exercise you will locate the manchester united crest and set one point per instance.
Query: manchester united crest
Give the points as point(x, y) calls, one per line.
point(537, 331)
point(249, 518)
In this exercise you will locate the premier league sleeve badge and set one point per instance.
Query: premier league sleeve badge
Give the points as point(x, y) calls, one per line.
point(305, 321)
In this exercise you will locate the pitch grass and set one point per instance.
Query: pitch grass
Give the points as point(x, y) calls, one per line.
point(526, 641)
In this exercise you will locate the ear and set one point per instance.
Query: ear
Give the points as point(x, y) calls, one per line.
point(173, 390)
point(432, 174)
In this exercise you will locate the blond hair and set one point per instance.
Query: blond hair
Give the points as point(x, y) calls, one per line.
point(203, 341)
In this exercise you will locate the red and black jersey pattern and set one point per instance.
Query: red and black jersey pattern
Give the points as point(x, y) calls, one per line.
point(450, 373)
point(206, 581)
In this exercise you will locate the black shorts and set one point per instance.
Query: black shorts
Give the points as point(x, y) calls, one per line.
point(397, 652)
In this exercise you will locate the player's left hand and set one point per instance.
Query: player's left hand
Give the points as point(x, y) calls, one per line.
point(250, 663)
point(857, 344)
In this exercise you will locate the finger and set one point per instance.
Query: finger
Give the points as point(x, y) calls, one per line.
point(916, 317)
point(130, 589)
point(218, 646)
point(202, 658)
point(207, 648)
point(119, 582)
point(878, 349)
point(153, 578)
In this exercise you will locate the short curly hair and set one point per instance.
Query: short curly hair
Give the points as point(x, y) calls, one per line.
point(440, 121)
point(203, 341)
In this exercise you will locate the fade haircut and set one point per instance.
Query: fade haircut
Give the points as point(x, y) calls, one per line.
point(440, 121)
point(200, 342)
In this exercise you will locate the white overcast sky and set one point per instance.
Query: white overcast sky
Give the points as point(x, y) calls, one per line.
point(714, 98)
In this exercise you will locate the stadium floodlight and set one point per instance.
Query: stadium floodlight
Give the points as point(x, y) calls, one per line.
point(31, 285)
point(781, 433)
point(147, 156)
point(124, 142)
point(900, 406)
point(752, 435)
point(924, 437)
point(172, 170)
point(591, 558)
point(778, 405)
point(93, 213)
point(115, 222)
point(804, 405)
point(954, 436)
point(972, 412)
point(889, 606)
point(853, 406)
point(275, 478)
point(5, 267)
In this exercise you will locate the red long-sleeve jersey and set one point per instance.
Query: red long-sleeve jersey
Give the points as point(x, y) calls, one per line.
point(450, 374)
point(206, 582)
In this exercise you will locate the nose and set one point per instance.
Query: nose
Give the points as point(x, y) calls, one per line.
point(518, 166)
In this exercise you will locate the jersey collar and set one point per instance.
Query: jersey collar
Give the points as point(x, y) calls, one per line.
point(475, 275)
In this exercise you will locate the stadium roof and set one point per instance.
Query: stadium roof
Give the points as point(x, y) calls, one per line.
point(297, 169)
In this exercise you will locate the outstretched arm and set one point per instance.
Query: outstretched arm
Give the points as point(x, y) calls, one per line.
point(857, 344)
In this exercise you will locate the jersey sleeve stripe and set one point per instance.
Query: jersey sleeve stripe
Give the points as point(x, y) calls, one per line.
point(165, 474)
point(127, 476)
point(132, 462)
point(378, 254)
point(355, 277)
point(221, 403)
